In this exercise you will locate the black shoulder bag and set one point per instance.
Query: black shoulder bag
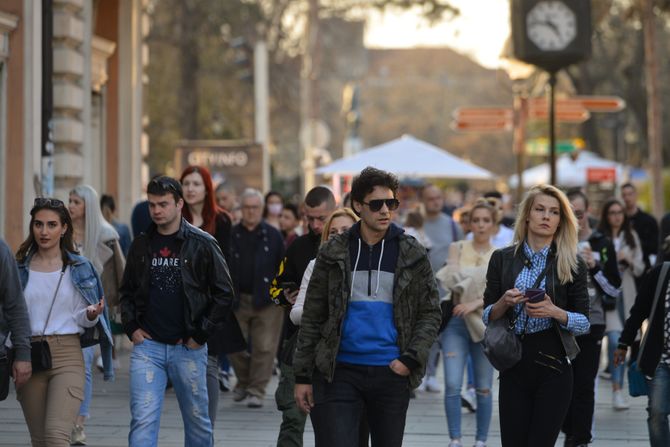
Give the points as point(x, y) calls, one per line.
point(40, 353)
point(501, 344)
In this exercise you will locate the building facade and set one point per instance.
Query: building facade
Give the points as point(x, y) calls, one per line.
point(94, 116)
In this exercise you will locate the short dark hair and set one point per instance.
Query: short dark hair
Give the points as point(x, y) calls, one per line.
point(107, 201)
point(629, 185)
point(161, 185)
point(575, 193)
point(368, 179)
point(293, 209)
point(319, 195)
point(493, 194)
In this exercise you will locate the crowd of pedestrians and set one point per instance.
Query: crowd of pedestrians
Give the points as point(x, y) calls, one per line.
point(352, 306)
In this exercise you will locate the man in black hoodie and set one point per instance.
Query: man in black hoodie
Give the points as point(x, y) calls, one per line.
point(319, 204)
point(603, 283)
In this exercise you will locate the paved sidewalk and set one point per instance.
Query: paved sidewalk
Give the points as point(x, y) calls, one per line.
point(239, 426)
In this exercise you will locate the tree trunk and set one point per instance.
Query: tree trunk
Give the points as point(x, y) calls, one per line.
point(654, 114)
point(190, 63)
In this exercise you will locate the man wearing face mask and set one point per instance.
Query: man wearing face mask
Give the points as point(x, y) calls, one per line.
point(319, 204)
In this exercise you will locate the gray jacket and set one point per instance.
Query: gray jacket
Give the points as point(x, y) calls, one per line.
point(13, 310)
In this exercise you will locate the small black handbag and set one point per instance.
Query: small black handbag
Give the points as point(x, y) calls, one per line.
point(5, 372)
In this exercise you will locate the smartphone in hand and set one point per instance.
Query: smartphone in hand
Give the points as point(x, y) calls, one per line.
point(534, 295)
point(290, 286)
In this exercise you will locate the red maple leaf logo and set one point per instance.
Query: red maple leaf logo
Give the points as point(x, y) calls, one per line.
point(165, 252)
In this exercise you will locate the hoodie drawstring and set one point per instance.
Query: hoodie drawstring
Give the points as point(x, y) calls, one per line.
point(379, 267)
point(353, 276)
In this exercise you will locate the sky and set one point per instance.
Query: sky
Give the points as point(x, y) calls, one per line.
point(479, 31)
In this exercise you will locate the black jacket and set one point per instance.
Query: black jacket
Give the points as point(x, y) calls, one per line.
point(650, 355)
point(605, 274)
point(506, 264)
point(205, 278)
point(268, 256)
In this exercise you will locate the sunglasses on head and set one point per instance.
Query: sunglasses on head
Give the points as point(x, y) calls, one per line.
point(165, 185)
point(377, 204)
point(47, 202)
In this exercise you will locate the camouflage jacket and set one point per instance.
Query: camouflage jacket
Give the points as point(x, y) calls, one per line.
point(415, 308)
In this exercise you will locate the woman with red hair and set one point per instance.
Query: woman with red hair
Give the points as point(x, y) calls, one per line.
point(202, 211)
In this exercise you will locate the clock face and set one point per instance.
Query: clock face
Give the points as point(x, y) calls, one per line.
point(551, 25)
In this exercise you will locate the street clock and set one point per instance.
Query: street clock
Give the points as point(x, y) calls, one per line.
point(551, 34)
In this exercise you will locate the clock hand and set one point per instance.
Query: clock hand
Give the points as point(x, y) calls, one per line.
point(553, 27)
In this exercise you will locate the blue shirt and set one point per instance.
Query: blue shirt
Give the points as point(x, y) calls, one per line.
point(577, 323)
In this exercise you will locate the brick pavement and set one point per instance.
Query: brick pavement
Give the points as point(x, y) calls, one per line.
point(240, 426)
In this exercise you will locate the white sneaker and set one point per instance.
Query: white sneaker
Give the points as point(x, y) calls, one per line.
point(422, 385)
point(432, 385)
point(480, 444)
point(469, 399)
point(619, 401)
point(455, 443)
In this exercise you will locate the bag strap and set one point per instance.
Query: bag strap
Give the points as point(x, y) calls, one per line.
point(60, 279)
point(657, 294)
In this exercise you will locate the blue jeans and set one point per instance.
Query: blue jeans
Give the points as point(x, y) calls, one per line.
point(151, 364)
point(456, 345)
point(612, 342)
point(89, 356)
point(659, 407)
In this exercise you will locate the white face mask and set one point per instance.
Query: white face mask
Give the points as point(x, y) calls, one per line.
point(275, 208)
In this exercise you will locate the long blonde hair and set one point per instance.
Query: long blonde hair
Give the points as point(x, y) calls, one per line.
point(565, 238)
point(341, 212)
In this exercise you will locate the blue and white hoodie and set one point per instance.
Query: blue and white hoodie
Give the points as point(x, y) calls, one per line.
point(369, 335)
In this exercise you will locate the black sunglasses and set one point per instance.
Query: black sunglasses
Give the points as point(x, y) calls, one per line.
point(47, 202)
point(377, 204)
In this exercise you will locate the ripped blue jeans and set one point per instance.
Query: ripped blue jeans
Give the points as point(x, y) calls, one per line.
point(151, 364)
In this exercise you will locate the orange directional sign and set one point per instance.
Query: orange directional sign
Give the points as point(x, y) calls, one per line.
point(483, 113)
point(599, 104)
point(494, 125)
point(563, 114)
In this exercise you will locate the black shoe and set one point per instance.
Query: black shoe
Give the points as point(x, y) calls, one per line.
point(468, 405)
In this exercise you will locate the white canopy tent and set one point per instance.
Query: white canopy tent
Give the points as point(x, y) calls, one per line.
point(569, 172)
point(408, 157)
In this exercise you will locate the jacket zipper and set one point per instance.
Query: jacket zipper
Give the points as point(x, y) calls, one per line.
point(370, 271)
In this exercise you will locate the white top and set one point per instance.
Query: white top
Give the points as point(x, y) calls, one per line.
point(69, 311)
point(296, 310)
point(503, 238)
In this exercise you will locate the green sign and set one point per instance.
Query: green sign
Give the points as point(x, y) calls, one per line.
point(540, 146)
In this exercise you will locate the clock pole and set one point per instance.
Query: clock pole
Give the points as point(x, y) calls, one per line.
point(552, 126)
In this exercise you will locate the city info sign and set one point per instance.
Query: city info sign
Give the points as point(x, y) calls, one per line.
point(236, 163)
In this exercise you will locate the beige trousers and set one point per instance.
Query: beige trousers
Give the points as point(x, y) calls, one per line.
point(262, 329)
point(51, 399)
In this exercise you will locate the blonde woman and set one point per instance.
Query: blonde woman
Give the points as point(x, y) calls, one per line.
point(98, 241)
point(535, 393)
point(338, 222)
point(464, 280)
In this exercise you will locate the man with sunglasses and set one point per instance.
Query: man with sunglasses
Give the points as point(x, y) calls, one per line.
point(175, 292)
point(371, 314)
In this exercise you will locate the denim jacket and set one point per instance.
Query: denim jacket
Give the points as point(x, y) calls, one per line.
point(87, 282)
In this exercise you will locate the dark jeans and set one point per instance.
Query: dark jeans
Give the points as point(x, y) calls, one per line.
point(336, 415)
point(578, 421)
point(535, 393)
